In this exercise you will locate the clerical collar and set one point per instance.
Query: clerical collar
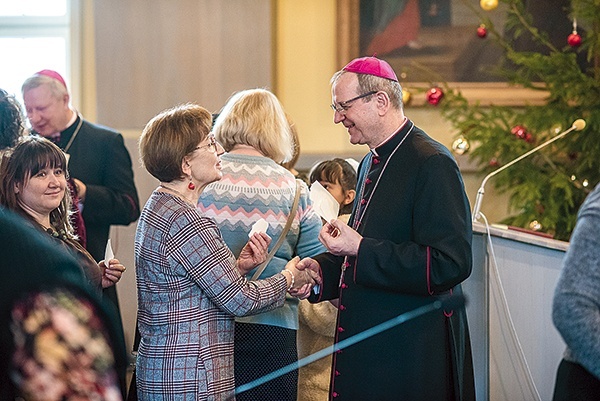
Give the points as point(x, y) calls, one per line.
point(388, 145)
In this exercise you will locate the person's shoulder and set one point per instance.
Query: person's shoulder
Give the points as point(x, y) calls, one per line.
point(22, 246)
point(425, 146)
point(591, 203)
point(182, 215)
point(99, 130)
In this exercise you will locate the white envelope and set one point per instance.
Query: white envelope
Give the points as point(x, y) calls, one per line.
point(323, 202)
point(259, 227)
point(108, 254)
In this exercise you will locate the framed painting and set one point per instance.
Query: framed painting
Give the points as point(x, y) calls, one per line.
point(433, 41)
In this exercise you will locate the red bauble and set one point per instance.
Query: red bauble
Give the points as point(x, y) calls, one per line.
point(519, 131)
point(434, 96)
point(574, 39)
point(482, 31)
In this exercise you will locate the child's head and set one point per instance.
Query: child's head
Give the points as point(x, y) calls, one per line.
point(339, 178)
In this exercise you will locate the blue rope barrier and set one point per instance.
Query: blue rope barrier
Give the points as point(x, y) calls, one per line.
point(450, 302)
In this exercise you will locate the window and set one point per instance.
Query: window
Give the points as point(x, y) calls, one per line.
point(35, 35)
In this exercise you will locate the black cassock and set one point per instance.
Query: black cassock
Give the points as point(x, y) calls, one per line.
point(413, 214)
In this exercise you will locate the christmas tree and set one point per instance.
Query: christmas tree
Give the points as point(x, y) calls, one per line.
point(547, 188)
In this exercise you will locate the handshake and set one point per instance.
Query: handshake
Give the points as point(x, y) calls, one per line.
point(302, 276)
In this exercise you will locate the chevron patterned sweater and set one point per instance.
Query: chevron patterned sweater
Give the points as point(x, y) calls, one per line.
point(255, 187)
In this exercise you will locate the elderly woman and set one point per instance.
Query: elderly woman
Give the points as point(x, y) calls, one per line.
point(255, 132)
point(190, 285)
point(33, 183)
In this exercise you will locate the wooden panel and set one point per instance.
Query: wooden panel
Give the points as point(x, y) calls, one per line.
point(151, 55)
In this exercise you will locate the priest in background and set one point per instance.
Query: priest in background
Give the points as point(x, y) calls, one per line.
point(98, 160)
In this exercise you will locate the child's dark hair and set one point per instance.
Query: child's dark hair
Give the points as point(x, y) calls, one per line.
point(11, 120)
point(336, 171)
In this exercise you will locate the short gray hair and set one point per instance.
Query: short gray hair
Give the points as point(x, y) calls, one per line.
point(57, 89)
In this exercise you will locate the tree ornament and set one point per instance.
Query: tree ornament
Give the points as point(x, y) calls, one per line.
point(406, 96)
point(488, 5)
point(435, 95)
point(535, 225)
point(460, 146)
point(519, 131)
point(482, 31)
point(574, 39)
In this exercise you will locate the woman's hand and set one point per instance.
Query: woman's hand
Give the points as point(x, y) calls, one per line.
point(112, 273)
point(254, 252)
point(306, 275)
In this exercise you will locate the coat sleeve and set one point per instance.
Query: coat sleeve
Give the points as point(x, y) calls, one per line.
point(196, 247)
point(438, 255)
point(331, 268)
point(576, 305)
point(115, 201)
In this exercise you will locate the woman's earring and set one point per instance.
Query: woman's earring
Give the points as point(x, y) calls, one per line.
point(191, 186)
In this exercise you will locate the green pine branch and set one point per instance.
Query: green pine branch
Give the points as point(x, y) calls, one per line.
point(549, 186)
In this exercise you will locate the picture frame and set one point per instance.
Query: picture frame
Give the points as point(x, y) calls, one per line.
point(443, 45)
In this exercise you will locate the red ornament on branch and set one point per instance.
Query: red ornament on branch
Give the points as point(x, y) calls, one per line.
point(574, 39)
point(521, 132)
point(434, 95)
point(482, 31)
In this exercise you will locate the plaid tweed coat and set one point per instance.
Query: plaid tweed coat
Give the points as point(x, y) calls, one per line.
point(189, 291)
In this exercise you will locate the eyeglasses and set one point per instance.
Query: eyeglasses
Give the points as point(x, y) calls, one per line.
point(211, 145)
point(341, 107)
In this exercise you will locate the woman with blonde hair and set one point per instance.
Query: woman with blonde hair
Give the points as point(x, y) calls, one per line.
point(254, 130)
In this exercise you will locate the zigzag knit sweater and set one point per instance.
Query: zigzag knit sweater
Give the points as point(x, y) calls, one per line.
point(255, 187)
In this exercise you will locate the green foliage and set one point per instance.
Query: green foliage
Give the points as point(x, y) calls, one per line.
point(550, 185)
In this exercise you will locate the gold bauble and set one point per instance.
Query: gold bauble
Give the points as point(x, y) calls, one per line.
point(460, 146)
point(488, 5)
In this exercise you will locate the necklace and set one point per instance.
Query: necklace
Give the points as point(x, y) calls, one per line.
point(361, 211)
point(57, 234)
point(176, 192)
point(68, 146)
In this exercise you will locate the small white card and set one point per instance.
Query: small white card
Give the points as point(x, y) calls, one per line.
point(259, 227)
point(108, 254)
point(323, 202)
